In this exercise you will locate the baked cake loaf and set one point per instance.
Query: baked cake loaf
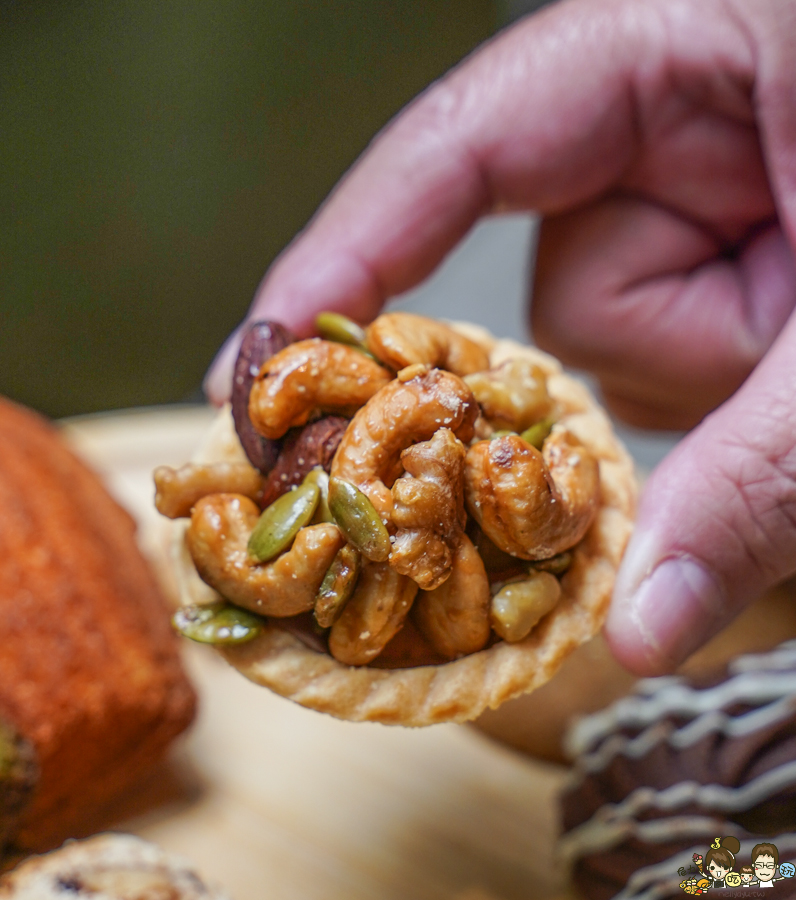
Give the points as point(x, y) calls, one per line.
point(106, 867)
point(91, 685)
point(423, 436)
point(659, 774)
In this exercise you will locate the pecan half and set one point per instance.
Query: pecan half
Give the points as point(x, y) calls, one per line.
point(260, 343)
point(303, 449)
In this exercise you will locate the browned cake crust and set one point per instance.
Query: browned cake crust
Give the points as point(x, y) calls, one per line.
point(89, 670)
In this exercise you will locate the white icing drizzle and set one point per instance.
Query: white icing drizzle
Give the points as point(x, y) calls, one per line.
point(713, 798)
point(713, 721)
point(678, 699)
point(597, 837)
point(781, 657)
point(674, 697)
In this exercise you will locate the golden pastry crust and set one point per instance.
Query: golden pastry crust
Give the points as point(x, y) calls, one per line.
point(460, 690)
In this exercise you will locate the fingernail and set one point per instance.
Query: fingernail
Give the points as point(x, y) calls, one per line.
point(671, 613)
point(218, 381)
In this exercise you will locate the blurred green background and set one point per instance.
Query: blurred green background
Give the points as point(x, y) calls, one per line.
point(156, 156)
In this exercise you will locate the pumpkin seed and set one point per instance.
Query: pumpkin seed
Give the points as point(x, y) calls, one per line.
point(336, 327)
point(319, 477)
point(281, 522)
point(518, 606)
point(217, 623)
point(357, 518)
point(338, 585)
point(537, 434)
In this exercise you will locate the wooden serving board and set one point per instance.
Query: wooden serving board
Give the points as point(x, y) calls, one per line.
point(275, 802)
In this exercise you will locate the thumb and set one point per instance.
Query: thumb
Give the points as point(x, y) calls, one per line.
point(716, 525)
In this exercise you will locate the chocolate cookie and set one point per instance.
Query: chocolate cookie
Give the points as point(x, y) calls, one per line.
point(659, 774)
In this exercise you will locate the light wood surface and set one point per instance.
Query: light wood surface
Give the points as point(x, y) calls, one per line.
point(276, 802)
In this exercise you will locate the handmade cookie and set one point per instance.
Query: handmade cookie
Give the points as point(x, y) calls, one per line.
point(106, 867)
point(677, 768)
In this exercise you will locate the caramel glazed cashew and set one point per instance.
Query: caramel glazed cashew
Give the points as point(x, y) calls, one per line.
point(309, 377)
point(407, 449)
point(532, 505)
point(221, 525)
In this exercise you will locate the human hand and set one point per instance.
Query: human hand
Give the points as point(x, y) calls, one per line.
point(658, 141)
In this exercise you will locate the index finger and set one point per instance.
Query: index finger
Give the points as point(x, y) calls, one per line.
point(544, 117)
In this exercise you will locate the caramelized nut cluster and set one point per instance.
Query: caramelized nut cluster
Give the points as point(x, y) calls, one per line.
point(396, 482)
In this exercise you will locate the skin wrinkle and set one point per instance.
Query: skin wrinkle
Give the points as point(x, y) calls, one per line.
point(774, 96)
point(761, 325)
point(623, 323)
point(731, 12)
point(704, 226)
point(759, 539)
point(646, 635)
point(746, 539)
point(578, 345)
point(451, 105)
point(540, 149)
point(742, 195)
point(673, 77)
point(676, 67)
point(740, 200)
point(729, 94)
point(719, 488)
point(767, 571)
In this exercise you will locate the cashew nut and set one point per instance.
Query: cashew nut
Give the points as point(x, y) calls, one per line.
point(309, 377)
point(401, 414)
point(530, 504)
point(519, 605)
point(375, 613)
point(428, 509)
point(455, 616)
point(217, 538)
point(177, 490)
point(402, 339)
point(513, 395)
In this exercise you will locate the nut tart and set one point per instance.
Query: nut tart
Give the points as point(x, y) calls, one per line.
point(437, 528)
